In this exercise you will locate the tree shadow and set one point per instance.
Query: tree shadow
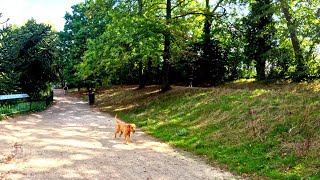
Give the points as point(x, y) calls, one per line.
point(72, 140)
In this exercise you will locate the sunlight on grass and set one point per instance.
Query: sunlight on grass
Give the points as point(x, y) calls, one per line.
point(254, 129)
point(124, 108)
point(113, 94)
point(243, 81)
point(153, 92)
point(258, 92)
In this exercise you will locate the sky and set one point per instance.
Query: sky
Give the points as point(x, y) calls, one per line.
point(44, 11)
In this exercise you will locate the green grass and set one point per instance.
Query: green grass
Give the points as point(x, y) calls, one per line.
point(268, 131)
point(22, 107)
point(11, 109)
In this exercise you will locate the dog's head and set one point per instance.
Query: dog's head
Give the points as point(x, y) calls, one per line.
point(132, 128)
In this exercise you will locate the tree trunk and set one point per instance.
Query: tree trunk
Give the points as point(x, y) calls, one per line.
point(148, 74)
point(159, 75)
point(207, 25)
point(294, 39)
point(260, 68)
point(205, 72)
point(208, 20)
point(165, 65)
point(209, 72)
point(141, 75)
point(166, 52)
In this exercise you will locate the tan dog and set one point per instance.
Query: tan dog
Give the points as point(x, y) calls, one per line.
point(125, 129)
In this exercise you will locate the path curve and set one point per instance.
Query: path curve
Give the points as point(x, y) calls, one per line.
point(72, 140)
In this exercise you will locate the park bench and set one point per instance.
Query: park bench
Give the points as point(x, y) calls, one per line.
point(13, 96)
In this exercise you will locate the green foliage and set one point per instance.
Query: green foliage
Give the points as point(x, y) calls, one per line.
point(87, 21)
point(259, 34)
point(304, 27)
point(181, 132)
point(204, 70)
point(20, 106)
point(132, 41)
point(36, 56)
point(113, 56)
point(9, 79)
point(27, 58)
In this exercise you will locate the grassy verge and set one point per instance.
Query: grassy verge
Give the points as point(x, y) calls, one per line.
point(254, 129)
point(22, 108)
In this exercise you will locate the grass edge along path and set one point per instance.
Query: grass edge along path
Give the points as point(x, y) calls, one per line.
point(271, 133)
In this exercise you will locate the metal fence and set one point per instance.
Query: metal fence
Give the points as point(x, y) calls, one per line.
point(25, 105)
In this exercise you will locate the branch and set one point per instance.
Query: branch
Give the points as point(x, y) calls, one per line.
point(201, 13)
point(152, 5)
point(223, 13)
point(193, 13)
point(5, 20)
point(181, 1)
point(211, 13)
point(217, 5)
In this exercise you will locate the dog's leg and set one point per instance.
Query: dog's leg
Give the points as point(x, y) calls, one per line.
point(126, 138)
point(129, 137)
point(117, 131)
point(120, 134)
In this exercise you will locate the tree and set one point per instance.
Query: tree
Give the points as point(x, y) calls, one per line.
point(112, 42)
point(212, 66)
point(166, 50)
point(9, 79)
point(294, 39)
point(36, 57)
point(87, 21)
point(28, 52)
point(259, 34)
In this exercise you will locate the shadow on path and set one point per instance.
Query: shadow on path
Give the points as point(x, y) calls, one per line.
point(72, 140)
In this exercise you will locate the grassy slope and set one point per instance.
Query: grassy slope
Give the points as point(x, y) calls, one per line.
point(253, 129)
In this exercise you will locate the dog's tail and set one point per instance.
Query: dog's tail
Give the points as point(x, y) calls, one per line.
point(116, 119)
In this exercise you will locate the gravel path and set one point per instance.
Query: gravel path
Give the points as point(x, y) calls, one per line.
point(71, 140)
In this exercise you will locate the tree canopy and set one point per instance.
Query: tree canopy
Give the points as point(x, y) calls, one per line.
point(27, 58)
point(147, 42)
point(202, 43)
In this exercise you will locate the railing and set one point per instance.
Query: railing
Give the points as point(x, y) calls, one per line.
point(23, 104)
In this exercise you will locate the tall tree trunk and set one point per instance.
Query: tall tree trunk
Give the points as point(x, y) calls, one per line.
point(204, 72)
point(166, 52)
point(141, 75)
point(209, 19)
point(148, 74)
point(260, 68)
point(159, 75)
point(207, 25)
point(294, 40)
point(210, 68)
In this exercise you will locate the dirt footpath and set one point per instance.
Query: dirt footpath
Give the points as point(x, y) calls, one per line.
point(71, 140)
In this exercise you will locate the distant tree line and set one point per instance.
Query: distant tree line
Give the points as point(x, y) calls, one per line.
point(173, 41)
point(106, 42)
